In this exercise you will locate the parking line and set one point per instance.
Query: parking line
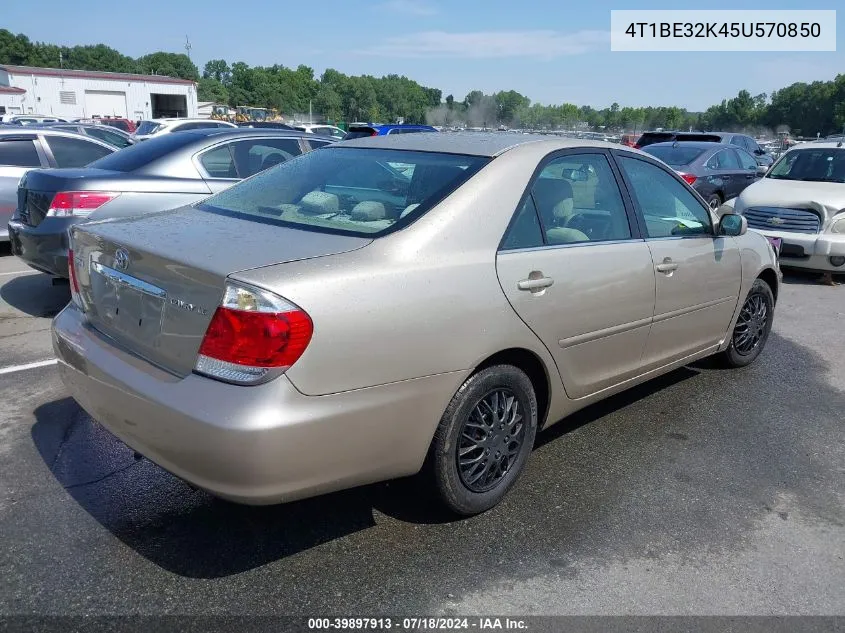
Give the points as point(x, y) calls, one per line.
point(17, 368)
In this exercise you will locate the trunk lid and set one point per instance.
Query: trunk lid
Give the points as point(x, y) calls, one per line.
point(38, 187)
point(153, 283)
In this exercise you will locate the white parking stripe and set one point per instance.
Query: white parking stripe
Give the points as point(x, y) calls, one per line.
point(21, 272)
point(16, 368)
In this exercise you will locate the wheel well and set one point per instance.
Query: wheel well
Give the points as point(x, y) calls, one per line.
point(534, 368)
point(769, 276)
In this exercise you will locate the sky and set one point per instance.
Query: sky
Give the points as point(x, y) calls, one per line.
point(549, 50)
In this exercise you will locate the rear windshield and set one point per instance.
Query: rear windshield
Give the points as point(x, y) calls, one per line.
point(142, 154)
point(655, 137)
point(348, 190)
point(675, 155)
point(121, 125)
point(701, 138)
point(147, 127)
point(359, 132)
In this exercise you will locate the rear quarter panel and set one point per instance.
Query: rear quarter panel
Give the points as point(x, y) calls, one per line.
point(132, 204)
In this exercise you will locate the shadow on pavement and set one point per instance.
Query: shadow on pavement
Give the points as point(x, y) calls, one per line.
point(194, 534)
point(35, 294)
point(798, 277)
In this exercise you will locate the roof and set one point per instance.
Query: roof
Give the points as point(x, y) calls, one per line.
point(92, 74)
point(16, 130)
point(472, 143)
point(9, 90)
point(834, 144)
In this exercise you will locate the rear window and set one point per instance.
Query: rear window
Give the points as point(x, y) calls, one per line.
point(354, 191)
point(701, 138)
point(675, 155)
point(142, 154)
point(655, 137)
point(359, 132)
point(148, 127)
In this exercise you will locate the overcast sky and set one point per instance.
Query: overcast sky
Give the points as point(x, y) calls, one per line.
point(550, 51)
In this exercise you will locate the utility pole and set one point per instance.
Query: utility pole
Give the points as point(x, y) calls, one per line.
point(188, 47)
point(61, 62)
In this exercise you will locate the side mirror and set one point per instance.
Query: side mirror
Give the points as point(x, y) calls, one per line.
point(762, 170)
point(733, 225)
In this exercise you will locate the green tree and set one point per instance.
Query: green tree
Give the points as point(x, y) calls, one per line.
point(169, 64)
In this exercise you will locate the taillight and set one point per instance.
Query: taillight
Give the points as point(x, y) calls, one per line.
point(636, 146)
point(688, 177)
point(253, 336)
point(78, 203)
point(74, 283)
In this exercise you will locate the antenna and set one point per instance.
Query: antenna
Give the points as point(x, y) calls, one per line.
point(188, 47)
point(60, 60)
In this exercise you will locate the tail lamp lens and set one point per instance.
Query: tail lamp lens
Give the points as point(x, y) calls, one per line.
point(78, 203)
point(253, 335)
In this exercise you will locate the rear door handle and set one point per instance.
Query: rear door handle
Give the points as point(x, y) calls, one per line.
point(668, 266)
point(535, 285)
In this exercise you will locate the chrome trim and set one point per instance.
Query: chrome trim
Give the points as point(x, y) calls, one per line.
point(578, 339)
point(128, 281)
point(682, 311)
point(544, 247)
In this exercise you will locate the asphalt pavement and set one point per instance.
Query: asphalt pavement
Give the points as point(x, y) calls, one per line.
point(703, 492)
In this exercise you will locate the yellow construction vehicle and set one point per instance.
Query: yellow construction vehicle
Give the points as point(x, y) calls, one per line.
point(221, 113)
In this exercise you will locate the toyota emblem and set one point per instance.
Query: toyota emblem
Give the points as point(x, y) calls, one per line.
point(121, 259)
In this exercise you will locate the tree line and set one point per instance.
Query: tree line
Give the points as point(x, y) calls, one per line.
point(803, 109)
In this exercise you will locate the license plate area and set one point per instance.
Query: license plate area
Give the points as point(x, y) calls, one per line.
point(126, 304)
point(776, 242)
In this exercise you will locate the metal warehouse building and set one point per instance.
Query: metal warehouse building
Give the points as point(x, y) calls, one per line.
point(84, 94)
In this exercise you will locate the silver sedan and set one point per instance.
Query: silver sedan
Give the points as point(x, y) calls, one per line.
point(393, 305)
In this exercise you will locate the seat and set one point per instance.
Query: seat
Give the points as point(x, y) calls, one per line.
point(319, 203)
point(271, 160)
point(554, 200)
point(565, 235)
point(368, 210)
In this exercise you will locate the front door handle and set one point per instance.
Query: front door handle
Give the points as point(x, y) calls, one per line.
point(668, 266)
point(535, 284)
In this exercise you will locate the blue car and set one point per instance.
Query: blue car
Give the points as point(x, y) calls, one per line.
point(357, 131)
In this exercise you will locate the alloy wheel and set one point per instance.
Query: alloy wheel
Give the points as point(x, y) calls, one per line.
point(491, 440)
point(751, 325)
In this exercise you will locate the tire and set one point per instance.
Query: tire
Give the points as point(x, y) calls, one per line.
point(467, 426)
point(739, 353)
point(714, 201)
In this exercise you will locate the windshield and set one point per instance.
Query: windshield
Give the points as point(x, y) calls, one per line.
point(357, 191)
point(674, 155)
point(814, 165)
point(147, 127)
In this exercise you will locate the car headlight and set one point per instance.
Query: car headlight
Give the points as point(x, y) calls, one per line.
point(838, 226)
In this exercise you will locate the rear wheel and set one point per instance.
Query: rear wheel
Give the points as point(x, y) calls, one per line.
point(752, 326)
point(484, 439)
point(714, 201)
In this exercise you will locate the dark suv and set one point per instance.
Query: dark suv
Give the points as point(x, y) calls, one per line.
point(731, 138)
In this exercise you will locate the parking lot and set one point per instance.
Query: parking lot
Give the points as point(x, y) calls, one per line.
point(703, 492)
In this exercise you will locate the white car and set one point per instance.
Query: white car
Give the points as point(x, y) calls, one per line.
point(801, 202)
point(157, 127)
point(27, 119)
point(320, 129)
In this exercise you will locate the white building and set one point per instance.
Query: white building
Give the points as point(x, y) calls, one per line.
point(75, 94)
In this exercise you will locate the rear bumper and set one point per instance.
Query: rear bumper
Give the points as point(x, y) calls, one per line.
point(809, 251)
point(256, 445)
point(43, 247)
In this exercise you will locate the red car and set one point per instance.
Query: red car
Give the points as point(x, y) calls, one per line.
point(630, 139)
point(121, 124)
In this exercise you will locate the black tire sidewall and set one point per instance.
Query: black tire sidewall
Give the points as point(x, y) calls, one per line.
point(718, 199)
point(454, 493)
point(734, 358)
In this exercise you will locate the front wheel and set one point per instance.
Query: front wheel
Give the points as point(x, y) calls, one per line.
point(752, 326)
point(484, 439)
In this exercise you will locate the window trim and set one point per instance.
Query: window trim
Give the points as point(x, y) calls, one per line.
point(641, 217)
point(627, 203)
point(48, 151)
point(39, 150)
point(197, 162)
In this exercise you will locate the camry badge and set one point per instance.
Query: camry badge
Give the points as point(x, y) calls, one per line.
point(777, 221)
point(121, 259)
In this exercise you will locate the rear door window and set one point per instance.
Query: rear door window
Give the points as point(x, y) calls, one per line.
point(19, 153)
point(219, 163)
point(253, 156)
point(724, 159)
point(73, 152)
point(746, 160)
point(107, 136)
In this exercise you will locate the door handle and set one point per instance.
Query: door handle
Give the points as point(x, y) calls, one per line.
point(668, 266)
point(535, 284)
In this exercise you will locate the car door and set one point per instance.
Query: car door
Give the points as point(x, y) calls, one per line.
point(725, 166)
point(18, 154)
point(577, 272)
point(748, 166)
point(697, 272)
